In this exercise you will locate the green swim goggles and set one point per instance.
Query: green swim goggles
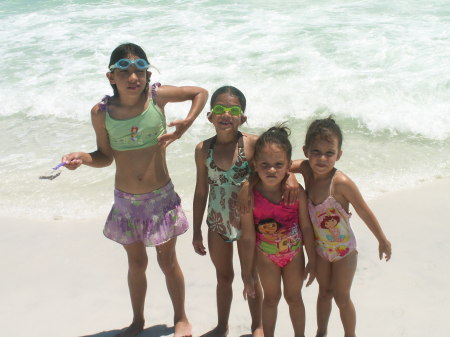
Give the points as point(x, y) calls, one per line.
point(220, 109)
point(124, 64)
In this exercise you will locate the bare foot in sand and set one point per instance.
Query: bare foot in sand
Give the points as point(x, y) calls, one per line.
point(183, 329)
point(258, 332)
point(217, 332)
point(133, 330)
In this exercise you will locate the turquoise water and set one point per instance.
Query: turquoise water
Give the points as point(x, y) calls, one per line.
point(380, 67)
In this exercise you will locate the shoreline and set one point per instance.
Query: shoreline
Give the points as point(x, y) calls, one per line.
point(64, 278)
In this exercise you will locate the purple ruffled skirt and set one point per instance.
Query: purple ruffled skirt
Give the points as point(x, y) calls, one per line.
point(153, 218)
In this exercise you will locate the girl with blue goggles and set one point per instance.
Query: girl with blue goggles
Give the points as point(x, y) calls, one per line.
point(124, 64)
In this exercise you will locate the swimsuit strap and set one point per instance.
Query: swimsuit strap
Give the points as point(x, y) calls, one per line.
point(240, 141)
point(104, 103)
point(154, 88)
point(331, 184)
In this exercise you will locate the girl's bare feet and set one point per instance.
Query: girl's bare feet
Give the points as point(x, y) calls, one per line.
point(133, 330)
point(217, 332)
point(183, 329)
point(258, 332)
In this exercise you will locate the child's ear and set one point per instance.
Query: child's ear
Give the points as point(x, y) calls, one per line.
point(254, 165)
point(110, 77)
point(305, 151)
point(209, 116)
point(339, 155)
point(243, 119)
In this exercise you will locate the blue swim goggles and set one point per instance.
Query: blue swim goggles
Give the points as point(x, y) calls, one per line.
point(124, 64)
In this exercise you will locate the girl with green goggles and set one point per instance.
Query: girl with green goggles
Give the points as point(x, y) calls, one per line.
point(220, 109)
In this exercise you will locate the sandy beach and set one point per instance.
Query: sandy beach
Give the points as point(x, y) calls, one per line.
point(63, 278)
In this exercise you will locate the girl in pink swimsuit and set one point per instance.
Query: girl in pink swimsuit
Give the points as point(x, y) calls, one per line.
point(279, 231)
point(330, 193)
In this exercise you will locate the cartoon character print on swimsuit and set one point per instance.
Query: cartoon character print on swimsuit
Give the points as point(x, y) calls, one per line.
point(277, 229)
point(334, 236)
point(276, 238)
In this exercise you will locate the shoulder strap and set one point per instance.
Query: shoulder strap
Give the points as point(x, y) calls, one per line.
point(240, 140)
point(332, 182)
point(104, 103)
point(211, 144)
point(154, 88)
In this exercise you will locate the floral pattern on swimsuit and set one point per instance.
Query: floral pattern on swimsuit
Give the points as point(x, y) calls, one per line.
point(223, 216)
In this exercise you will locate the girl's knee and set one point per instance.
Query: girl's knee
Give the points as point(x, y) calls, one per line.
point(225, 279)
point(138, 263)
point(167, 264)
point(342, 299)
point(293, 299)
point(325, 293)
point(167, 258)
point(272, 300)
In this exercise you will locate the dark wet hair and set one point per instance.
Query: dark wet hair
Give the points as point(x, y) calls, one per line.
point(324, 129)
point(123, 51)
point(233, 92)
point(278, 135)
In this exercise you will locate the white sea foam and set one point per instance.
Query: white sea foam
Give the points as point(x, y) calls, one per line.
point(380, 67)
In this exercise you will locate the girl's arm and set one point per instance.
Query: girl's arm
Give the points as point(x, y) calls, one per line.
point(168, 93)
point(348, 189)
point(291, 187)
point(103, 155)
point(247, 243)
point(298, 166)
point(308, 236)
point(200, 198)
point(245, 196)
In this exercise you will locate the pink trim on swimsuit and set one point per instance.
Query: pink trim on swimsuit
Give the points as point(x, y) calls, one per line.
point(283, 243)
point(334, 236)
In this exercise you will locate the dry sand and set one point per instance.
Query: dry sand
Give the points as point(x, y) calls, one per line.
point(63, 278)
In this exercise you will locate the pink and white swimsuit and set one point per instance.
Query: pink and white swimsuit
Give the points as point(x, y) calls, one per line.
point(333, 234)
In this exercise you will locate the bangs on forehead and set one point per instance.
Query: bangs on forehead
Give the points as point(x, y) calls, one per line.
point(127, 50)
point(327, 135)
